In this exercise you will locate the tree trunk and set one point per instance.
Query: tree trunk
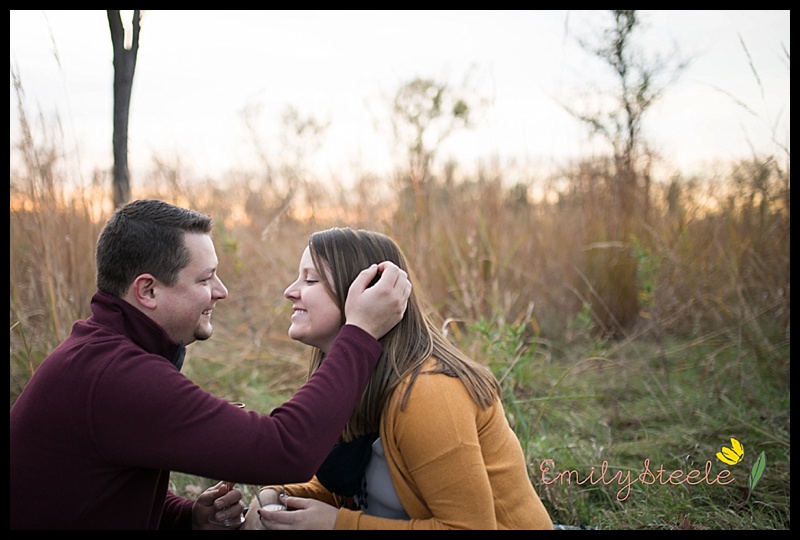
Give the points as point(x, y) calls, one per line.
point(124, 67)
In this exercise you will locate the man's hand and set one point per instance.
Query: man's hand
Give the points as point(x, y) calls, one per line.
point(218, 502)
point(377, 309)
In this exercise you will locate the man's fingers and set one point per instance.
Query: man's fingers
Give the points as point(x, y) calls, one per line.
point(363, 278)
point(393, 273)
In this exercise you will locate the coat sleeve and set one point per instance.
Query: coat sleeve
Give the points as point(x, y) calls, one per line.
point(177, 513)
point(147, 414)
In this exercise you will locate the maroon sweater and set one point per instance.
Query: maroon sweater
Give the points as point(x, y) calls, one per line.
point(107, 416)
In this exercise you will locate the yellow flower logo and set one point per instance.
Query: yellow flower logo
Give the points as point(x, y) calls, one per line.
point(732, 455)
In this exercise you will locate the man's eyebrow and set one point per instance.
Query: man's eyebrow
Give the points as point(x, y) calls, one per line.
point(208, 271)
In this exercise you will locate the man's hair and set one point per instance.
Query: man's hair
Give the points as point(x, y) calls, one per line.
point(145, 237)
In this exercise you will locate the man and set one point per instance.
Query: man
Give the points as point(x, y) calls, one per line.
point(107, 415)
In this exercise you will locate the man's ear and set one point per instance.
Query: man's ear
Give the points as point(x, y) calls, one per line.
point(143, 291)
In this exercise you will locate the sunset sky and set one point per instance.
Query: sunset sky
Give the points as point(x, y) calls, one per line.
point(200, 74)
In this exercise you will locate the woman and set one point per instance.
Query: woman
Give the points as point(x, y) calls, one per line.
point(428, 446)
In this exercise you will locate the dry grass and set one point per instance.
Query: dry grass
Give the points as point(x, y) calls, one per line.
point(531, 288)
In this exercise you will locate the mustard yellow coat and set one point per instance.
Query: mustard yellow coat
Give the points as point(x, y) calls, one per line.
point(453, 465)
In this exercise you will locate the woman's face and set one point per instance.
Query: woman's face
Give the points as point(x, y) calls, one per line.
point(316, 319)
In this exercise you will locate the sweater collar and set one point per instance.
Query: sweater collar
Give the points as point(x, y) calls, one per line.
point(120, 316)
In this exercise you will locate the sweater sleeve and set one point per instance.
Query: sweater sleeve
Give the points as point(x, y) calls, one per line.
point(192, 431)
point(310, 490)
point(177, 513)
point(312, 421)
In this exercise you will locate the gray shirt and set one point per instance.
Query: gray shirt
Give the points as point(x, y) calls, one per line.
point(382, 500)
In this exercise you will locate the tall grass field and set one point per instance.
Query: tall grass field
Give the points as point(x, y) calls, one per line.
point(627, 361)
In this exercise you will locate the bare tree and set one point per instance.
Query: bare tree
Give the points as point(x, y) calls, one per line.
point(124, 67)
point(610, 268)
point(640, 82)
point(300, 136)
point(424, 113)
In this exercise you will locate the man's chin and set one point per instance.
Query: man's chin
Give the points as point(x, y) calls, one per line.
point(202, 335)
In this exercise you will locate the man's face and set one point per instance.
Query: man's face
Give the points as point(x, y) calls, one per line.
point(184, 310)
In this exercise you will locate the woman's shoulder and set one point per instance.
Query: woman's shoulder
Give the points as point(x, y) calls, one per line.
point(435, 385)
point(432, 371)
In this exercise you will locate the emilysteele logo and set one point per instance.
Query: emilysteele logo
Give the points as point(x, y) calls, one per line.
point(734, 454)
point(729, 455)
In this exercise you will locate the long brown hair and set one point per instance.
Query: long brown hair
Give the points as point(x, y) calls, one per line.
point(345, 252)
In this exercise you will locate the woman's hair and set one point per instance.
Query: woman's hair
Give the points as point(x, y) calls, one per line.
point(145, 237)
point(345, 252)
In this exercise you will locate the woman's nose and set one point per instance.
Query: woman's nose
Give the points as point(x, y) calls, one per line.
point(290, 291)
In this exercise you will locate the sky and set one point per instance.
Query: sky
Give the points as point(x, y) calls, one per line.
point(210, 86)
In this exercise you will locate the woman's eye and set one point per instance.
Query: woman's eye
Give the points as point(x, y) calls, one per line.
point(309, 281)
